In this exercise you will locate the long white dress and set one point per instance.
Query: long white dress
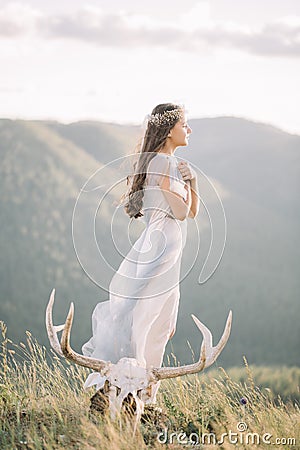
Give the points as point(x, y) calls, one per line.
point(142, 309)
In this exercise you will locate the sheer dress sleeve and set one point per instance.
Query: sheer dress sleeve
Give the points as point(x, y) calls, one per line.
point(162, 165)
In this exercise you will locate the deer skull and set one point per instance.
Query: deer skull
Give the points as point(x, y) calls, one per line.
point(125, 378)
point(128, 376)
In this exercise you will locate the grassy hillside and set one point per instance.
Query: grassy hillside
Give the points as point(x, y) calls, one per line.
point(45, 164)
point(43, 406)
point(103, 141)
point(41, 175)
point(259, 166)
point(258, 161)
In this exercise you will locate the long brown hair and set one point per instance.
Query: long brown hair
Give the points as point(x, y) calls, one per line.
point(154, 140)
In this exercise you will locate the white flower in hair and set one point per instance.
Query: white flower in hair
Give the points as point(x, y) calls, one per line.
point(165, 118)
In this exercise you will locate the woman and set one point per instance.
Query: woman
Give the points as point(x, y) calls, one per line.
point(141, 315)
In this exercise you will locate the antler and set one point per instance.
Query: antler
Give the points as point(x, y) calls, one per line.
point(64, 348)
point(208, 353)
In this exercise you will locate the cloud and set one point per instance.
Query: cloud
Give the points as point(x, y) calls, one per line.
point(17, 20)
point(11, 90)
point(125, 30)
point(10, 29)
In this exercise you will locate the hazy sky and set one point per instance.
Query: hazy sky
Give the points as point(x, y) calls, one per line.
point(115, 60)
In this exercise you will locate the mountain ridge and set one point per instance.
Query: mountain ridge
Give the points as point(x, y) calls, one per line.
point(42, 171)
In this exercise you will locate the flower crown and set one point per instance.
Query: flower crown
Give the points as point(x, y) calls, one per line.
point(165, 118)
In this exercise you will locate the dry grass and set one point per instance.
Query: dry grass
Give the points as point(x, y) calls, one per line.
point(43, 406)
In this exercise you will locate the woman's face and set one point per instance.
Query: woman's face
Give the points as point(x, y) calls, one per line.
point(180, 133)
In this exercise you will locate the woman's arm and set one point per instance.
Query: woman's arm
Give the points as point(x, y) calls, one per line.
point(190, 179)
point(180, 207)
point(194, 209)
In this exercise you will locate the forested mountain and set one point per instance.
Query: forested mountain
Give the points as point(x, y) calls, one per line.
point(255, 169)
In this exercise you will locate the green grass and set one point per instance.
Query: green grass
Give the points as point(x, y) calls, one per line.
point(43, 406)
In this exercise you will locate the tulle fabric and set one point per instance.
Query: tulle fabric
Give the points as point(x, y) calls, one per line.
point(142, 309)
